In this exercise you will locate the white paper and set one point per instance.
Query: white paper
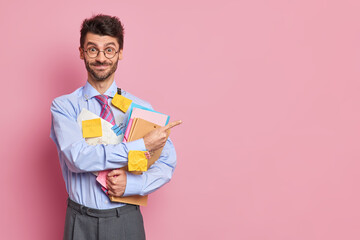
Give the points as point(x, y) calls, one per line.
point(108, 135)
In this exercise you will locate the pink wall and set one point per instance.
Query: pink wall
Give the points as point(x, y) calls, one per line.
point(268, 92)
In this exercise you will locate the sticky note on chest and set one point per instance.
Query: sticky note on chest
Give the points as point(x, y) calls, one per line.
point(121, 102)
point(92, 128)
point(137, 161)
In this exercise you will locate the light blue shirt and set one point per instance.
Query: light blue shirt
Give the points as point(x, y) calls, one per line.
point(78, 159)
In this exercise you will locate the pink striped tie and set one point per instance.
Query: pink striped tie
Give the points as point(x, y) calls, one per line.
point(106, 112)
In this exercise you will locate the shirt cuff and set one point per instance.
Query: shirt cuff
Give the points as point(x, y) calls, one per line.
point(138, 145)
point(133, 184)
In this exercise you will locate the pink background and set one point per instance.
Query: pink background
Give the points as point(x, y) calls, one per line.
point(268, 92)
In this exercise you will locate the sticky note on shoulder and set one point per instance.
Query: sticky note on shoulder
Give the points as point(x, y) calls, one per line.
point(92, 128)
point(137, 161)
point(121, 102)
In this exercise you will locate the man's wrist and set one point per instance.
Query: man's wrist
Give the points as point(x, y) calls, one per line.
point(138, 145)
point(133, 185)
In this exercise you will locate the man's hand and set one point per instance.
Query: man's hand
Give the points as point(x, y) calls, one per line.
point(157, 138)
point(116, 182)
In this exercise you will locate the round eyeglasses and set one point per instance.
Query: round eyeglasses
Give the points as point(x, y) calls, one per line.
point(93, 52)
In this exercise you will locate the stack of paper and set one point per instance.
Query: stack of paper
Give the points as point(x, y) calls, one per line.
point(146, 114)
point(139, 129)
point(141, 121)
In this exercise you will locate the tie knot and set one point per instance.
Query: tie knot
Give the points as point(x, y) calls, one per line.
point(102, 99)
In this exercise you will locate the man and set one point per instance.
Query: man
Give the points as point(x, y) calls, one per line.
point(90, 214)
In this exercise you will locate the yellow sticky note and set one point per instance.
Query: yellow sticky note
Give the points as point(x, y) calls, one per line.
point(92, 128)
point(137, 161)
point(121, 102)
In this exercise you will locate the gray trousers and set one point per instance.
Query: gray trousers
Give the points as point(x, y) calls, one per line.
point(82, 223)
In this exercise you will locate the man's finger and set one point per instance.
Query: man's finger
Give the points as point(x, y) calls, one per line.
point(172, 124)
point(113, 180)
point(115, 172)
point(109, 184)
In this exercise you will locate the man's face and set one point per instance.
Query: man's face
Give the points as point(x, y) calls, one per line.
point(100, 68)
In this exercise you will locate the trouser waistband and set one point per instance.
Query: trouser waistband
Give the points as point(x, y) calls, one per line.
point(102, 213)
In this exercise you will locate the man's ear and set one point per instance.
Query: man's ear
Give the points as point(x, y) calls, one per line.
point(81, 53)
point(120, 54)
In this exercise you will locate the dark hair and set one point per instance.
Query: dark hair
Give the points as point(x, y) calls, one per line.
point(103, 25)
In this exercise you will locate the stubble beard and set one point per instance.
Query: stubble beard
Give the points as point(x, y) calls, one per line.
point(101, 75)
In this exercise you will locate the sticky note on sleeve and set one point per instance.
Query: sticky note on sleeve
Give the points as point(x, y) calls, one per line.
point(92, 128)
point(121, 102)
point(137, 161)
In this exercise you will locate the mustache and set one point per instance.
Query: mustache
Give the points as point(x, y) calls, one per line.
point(100, 64)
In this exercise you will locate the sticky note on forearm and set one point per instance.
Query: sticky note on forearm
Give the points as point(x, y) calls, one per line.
point(92, 128)
point(121, 102)
point(137, 161)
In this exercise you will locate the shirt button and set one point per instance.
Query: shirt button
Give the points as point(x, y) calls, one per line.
point(106, 201)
